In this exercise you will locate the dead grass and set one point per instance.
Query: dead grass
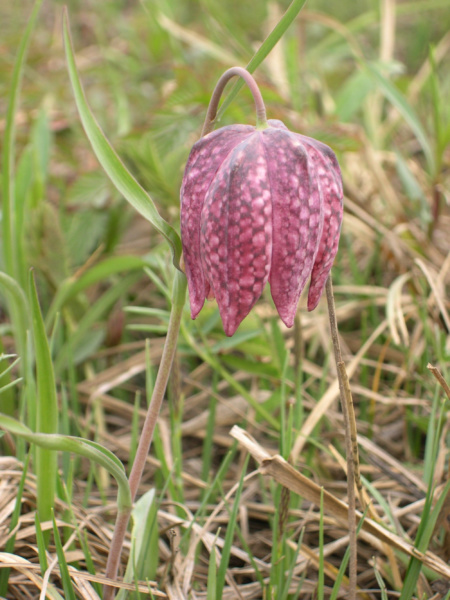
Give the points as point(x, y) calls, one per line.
point(388, 324)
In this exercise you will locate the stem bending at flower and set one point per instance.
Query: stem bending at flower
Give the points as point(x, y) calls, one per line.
point(261, 118)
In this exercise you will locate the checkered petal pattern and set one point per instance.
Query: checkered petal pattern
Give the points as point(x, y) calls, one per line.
point(257, 206)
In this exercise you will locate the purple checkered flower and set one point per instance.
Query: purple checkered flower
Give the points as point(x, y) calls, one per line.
point(259, 205)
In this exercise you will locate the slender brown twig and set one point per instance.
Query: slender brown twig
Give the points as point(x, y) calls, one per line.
point(351, 445)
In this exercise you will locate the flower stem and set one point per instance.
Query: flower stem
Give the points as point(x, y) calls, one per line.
point(351, 445)
point(261, 118)
point(145, 440)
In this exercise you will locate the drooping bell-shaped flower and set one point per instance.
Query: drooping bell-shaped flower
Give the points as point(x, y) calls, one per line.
point(259, 204)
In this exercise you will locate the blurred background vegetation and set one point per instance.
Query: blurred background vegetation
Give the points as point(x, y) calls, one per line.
point(369, 78)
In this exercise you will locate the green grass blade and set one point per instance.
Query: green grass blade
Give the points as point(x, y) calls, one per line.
point(71, 287)
point(423, 537)
point(206, 355)
point(226, 552)
point(212, 575)
point(125, 183)
point(40, 541)
point(46, 410)
point(18, 300)
point(7, 381)
point(69, 592)
point(290, 572)
point(78, 340)
point(8, 216)
point(266, 47)
point(381, 583)
point(210, 491)
point(82, 447)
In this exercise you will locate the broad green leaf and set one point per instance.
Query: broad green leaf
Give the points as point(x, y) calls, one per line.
point(123, 180)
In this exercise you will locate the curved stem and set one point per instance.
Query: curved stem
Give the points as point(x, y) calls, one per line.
point(261, 118)
point(145, 440)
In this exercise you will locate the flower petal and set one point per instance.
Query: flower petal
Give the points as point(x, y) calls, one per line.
point(297, 217)
point(330, 182)
point(204, 160)
point(236, 231)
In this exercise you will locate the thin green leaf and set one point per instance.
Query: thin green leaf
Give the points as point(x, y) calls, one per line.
point(226, 552)
point(82, 447)
point(10, 367)
point(18, 300)
point(8, 214)
point(46, 410)
point(40, 541)
point(74, 285)
point(212, 574)
point(123, 180)
point(264, 50)
point(423, 537)
point(69, 592)
point(78, 341)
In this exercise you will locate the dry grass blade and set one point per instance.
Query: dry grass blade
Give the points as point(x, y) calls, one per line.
point(437, 293)
point(28, 569)
point(286, 475)
point(81, 579)
point(440, 378)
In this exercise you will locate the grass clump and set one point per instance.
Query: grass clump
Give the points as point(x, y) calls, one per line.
point(215, 518)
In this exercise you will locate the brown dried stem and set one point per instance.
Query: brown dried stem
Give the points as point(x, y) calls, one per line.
point(351, 445)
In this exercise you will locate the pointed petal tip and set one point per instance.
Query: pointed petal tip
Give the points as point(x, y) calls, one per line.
point(287, 315)
point(196, 306)
point(230, 326)
point(314, 296)
point(288, 322)
point(230, 331)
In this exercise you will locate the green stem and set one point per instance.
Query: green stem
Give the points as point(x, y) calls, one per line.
point(145, 440)
point(261, 118)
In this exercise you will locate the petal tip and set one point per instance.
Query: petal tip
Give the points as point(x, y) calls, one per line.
point(196, 304)
point(314, 296)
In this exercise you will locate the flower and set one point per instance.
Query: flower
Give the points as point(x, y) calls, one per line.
point(259, 205)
